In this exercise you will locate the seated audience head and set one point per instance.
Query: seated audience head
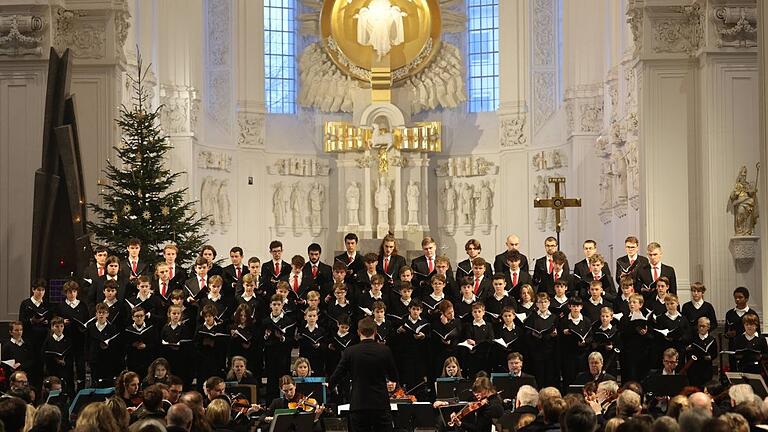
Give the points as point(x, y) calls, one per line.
point(733, 422)
point(119, 410)
point(552, 409)
point(96, 416)
point(693, 419)
point(628, 404)
point(676, 405)
point(214, 387)
point(179, 415)
point(12, 413)
point(218, 413)
point(740, 393)
point(700, 400)
point(527, 395)
point(579, 418)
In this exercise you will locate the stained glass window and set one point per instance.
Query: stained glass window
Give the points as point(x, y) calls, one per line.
point(280, 56)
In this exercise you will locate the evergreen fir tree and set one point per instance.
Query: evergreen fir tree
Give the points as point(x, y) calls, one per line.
point(139, 199)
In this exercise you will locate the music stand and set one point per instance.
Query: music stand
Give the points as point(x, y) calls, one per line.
point(313, 386)
point(86, 396)
point(298, 422)
point(412, 416)
point(453, 388)
point(510, 385)
point(754, 380)
point(665, 385)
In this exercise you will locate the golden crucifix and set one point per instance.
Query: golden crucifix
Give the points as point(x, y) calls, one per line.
point(557, 203)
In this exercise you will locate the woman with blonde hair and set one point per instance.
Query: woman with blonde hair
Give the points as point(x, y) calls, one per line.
point(96, 417)
point(219, 414)
point(301, 368)
point(238, 371)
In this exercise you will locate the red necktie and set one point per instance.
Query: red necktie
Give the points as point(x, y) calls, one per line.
point(165, 287)
point(296, 283)
point(171, 269)
point(314, 271)
point(597, 278)
point(555, 276)
point(134, 264)
point(477, 285)
point(631, 261)
point(514, 278)
point(101, 271)
point(655, 273)
point(277, 268)
point(238, 271)
point(351, 258)
point(202, 283)
point(431, 266)
point(551, 266)
point(386, 264)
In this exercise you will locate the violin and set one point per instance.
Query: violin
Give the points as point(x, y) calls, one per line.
point(242, 406)
point(400, 393)
point(303, 403)
point(469, 409)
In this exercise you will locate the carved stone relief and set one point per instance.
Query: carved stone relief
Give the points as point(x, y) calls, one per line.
point(215, 203)
point(21, 35)
point(219, 29)
point(635, 21)
point(544, 98)
point(680, 35)
point(214, 160)
point(175, 114)
point(632, 158)
point(512, 131)
point(544, 64)
point(467, 206)
point(122, 24)
point(251, 127)
point(736, 26)
point(549, 159)
point(465, 166)
point(300, 167)
point(591, 116)
point(219, 102)
point(84, 35)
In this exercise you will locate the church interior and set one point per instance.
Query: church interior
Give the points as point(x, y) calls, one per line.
point(303, 120)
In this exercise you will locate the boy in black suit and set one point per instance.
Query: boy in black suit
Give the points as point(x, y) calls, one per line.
point(57, 352)
point(319, 273)
point(275, 270)
point(363, 281)
point(312, 340)
point(482, 285)
point(431, 302)
point(104, 350)
point(423, 267)
point(575, 340)
point(629, 263)
point(133, 267)
point(196, 287)
point(597, 272)
point(559, 266)
point(621, 303)
point(594, 302)
point(498, 300)
point(151, 304)
point(464, 268)
point(35, 313)
point(300, 282)
point(516, 276)
point(233, 273)
point(463, 308)
point(647, 276)
point(541, 332)
point(583, 268)
point(545, 265)
point(75, 315)
point(279, 337)
point(733, 318)
point(211, 343)
point(477, 337)
point(162, 283)
point(352, 260)
point(141, 341)
point(389, 262)
point(95, 270)
point(375, 294)
point(17, 349)
point(176, 273)
point(113, 274)
point(115, 308)
point(413, 345)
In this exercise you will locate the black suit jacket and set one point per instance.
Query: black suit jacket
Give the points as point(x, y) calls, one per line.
point(231, 281)
point(143, 268)
point(623, 267)
point(540, 270)
point(500, 263)
point(97, 290)
point(179, 277)
point(644, 278)
point(324, 280)
point(392, 275)
point(353, 268)
point(369, 365)
point(523, 277)
point(547, 284)
point(464, 269)
point(268, 276)
point(581, 269)
point(422, 275)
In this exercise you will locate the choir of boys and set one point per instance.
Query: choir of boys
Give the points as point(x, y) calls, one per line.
point(260, 313)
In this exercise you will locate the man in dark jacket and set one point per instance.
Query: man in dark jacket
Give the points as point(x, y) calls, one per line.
point(369, 365)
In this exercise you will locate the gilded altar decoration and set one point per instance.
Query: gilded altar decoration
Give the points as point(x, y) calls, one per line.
point(402, 36)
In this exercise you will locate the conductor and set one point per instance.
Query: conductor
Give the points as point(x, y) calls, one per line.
point(369, 365)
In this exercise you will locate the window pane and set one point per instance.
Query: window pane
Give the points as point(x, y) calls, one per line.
point(483, 54)
point(280, 56)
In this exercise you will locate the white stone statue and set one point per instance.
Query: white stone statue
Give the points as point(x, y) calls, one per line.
point(619, 172)
point(316, 202)
point(383, 201)
point(412, 196)
point(606, 198)
point(380, 25)
point(467, 204)
point(280, 201)
point(449, 203)
point(208, 199)
point(633, 169)
point(297, 205)
point(743, 204)
point(352, 196)
point(485, 204)
point(541, 191)
point(225, 215)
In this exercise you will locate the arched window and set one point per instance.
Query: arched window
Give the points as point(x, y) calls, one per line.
point(280, 56)
point(483, 55)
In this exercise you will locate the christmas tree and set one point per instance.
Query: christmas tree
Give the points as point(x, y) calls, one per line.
point(139, 199)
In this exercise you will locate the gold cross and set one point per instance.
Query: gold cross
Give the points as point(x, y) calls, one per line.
point(557, 203)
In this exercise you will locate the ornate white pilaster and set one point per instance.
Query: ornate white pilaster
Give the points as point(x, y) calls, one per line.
point(762, 14)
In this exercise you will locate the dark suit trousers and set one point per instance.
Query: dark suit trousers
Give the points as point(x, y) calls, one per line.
point(370, 421)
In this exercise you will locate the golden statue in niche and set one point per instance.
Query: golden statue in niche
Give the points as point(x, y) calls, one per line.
point(366, 37)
